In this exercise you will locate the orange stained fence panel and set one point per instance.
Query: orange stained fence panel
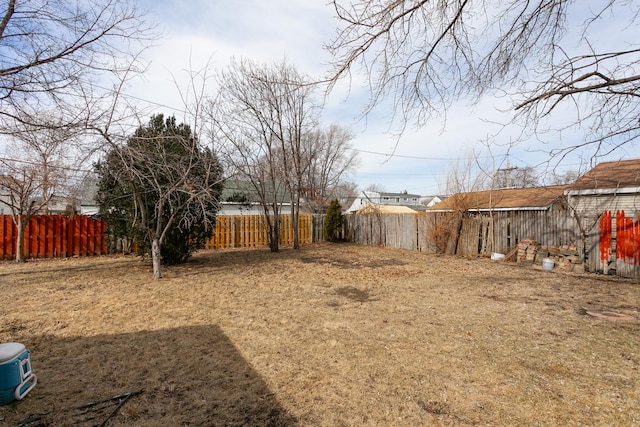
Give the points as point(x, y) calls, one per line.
point(250, 231)
point(605, 236)
point(48, 236)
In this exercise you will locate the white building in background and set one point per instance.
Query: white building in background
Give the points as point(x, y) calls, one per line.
point(413, 201)
point(5, 198)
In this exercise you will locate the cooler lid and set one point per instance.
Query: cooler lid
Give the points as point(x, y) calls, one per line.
point(10, 350)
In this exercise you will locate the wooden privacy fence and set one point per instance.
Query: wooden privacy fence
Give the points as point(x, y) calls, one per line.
point(250, 231)
point(500, 232)
point(391, 230)
point(48, 236)
point(480, 234)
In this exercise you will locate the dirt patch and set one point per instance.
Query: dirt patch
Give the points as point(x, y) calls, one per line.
point(331, 335)
point(355, 294)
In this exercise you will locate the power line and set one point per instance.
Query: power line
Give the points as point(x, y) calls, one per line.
point(28, 162)
point(399, 155)
point(388, 155)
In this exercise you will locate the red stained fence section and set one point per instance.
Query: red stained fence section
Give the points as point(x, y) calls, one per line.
point(620, 250)
point(627, 246)
point(605, 241)
point(49, 236)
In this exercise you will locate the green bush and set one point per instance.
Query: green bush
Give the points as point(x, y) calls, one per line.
point(333, 221)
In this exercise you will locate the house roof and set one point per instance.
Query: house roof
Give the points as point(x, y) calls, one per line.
point(609, 175)
point(505, 199)
point(245, 188)
point(385, 209)
point(385, 194)
point(428, 199)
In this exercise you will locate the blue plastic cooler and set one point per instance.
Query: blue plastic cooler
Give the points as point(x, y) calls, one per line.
point(16, 377)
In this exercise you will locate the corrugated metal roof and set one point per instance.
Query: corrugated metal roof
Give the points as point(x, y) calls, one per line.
point(505, 199)
point(617, 174)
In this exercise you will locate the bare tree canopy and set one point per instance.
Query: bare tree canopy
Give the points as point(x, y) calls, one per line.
point(423, 55)
point(54, 51)
point(30, 186)
point(329, 160)
point(259, 112)
point(516, 177)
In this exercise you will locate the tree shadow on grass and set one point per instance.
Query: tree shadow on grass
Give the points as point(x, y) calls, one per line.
point(189, 376)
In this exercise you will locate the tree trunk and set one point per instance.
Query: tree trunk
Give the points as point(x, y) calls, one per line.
point(274, 238)
point(155, 257)
point(22, 224)
point(456, 227)
point(295, 215)
point(274, 234)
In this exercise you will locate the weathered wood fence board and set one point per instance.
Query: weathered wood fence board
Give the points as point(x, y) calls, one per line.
point(49, 236)
point(396, 238)
point(365, 229)
point(627, 243)
point(605, 242)
point(480, 234)
point(250, 231)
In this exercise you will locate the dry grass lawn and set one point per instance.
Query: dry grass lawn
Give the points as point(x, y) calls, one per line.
point(331, 335)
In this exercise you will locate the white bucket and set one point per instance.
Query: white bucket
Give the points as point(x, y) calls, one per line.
point(497, 257)
point(547, 264)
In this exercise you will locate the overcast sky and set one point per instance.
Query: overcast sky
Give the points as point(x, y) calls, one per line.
point(198, 31)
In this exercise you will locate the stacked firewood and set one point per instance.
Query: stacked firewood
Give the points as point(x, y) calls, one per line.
point(565, 257)
point(527, 251)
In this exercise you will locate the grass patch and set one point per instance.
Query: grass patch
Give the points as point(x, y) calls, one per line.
point(331, 335)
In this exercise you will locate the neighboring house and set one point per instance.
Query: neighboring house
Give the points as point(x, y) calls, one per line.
point(428, 201)
point(386, 209)
point(237, 198)
point(241, 198)
point(606, 203)
point(382, 198)
point(56, 205)
point(87, 197)
point(608, 186)
point(4, 198)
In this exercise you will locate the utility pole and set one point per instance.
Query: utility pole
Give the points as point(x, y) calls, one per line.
point(507, 170)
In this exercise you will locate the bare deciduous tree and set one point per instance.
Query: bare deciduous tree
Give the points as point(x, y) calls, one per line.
point(564, 178)
point(516, 177)
point(172, 182)
point(378, 188)
point(330, 159)
point(464, 176)
point(39, 173)
point(170, 172)
point(55, 52)
point(262, 116)
point(424, 55)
